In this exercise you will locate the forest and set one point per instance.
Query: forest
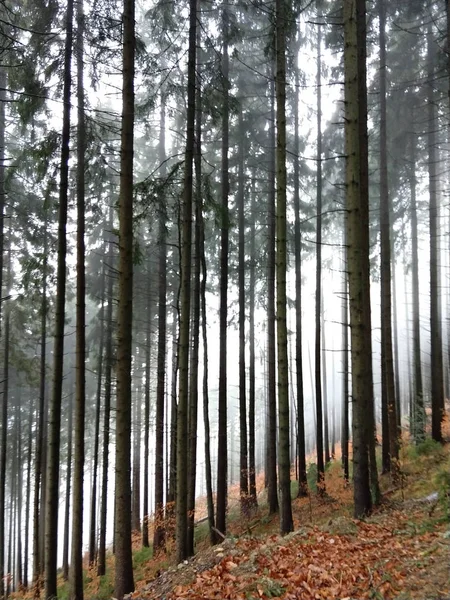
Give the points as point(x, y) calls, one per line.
point(224, 275)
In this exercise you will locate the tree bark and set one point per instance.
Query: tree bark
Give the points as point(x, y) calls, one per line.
point(356, 149)
point(185, 300)
point(54, 422)
point(284, 463)
point(222, 452)
point(124, 583)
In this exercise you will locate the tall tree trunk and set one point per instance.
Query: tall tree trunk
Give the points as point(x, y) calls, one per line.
point(185, 300)
point(124, 583)
point(301, 449)
point(387, 358)
point(136, 469)
point(318, 310)
point(54, 422)
point(356, 148)
point(418, 421)
point(222, 470)
point(158, 537)
point(101, 563)
point(98, 399)
point(145, 510)
point(76, 565)
point(243, 457)
point(26, 550)
point(326, 428)
point(3, 83)
point(284, 463)
point(345, 370)
point(252, 360)
point(39, 471)
point(66, 539)
point(437, 372)
point(271, 446)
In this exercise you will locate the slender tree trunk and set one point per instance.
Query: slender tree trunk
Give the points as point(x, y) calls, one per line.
point(3, 83)
point(301, 449)
point(26, 550)
point(76, 565)
point(54, 422)
point(271, 447)
point(356, 148)
point(243, 456)
point(284, 463)
point(387, 358)
point(222, 452)
point(418, 420)
point(39, 471)
point(136, 469)
point(145, 512)
point(345, 361)
point(124, 582)
point(98, 399)
point(158, 537)
point(317, 353)
point(101, 563)
point(66, 540)
point(326, 427)
point(185, 300)
point(437, 373)
point(252, 360)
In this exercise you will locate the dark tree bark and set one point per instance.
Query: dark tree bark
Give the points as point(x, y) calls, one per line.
point(301, 450)
point(39, 471)
point(123, 582)
point(437, 372)
point(145, 511)
point(345, 371)
point(271, 446)
point(243, 456)
point(222, 452)
point(3, 81)
point(252, 357)
point(76, 565)
point(356, 148)
point(54, 423)
point(66, 539)
point(158, 537)
point(387, 358)
point(318, 297)
point(185, 300)
point(98, 399)
point(284, 463)
point(101, 563)
point(418, 420)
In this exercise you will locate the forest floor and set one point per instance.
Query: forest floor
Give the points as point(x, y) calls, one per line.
point(401, 551)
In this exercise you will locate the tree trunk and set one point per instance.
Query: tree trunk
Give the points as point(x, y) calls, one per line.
point(418, 421)
point(318, 310)
point(243, 457)
point(136, 469)
point(54, 422)
point(387, 358)
point(222, 452)
point(101, 564)
point(98, 399)
point(145, 511)
point(3, 83)
point(124, 583)
point(158, 537)
point(76, 565)
point(437, 373)
point(345, 361)
point(284, 463)
point(356, 149)
point(66, 540)
point(252, 360)
point(185, 300)
point(301, 449)
point(271, 446)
